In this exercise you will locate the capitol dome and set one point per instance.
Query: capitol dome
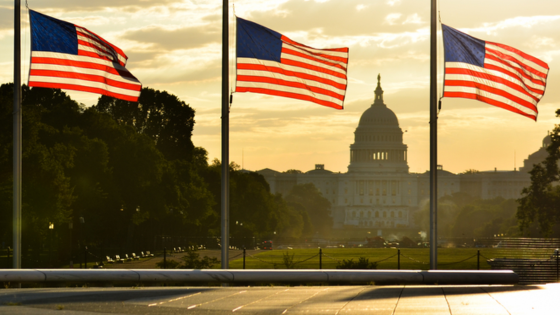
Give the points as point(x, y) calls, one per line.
point(378, 141)
point(378, 113)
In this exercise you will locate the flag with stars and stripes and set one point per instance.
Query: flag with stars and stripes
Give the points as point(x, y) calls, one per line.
point(67, 56)
point(271, 63)
point(493, 73)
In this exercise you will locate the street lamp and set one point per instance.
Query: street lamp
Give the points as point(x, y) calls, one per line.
point(51, 228)
point(82, 222)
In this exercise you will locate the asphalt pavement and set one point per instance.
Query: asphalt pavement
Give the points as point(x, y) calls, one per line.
point(495, 299)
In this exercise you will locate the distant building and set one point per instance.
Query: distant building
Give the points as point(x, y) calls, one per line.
point(378, 192)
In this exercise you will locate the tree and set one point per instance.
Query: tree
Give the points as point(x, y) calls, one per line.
point(118, 176)
point(163, 117)
point(293, 171)
point(471, 171)
point(47, 194)
point(310, 203)
point(540, 203)
point(460, 215)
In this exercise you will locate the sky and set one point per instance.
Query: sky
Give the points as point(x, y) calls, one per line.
point(175, 45)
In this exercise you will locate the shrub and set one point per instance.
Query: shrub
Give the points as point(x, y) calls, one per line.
point(288, 260)
point(170, 264)
point(190, 261)
point(362, 263)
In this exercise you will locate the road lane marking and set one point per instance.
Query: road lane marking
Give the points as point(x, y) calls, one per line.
point(240, 307)
point(173, 300)
point(200, 304)
point(286, 310)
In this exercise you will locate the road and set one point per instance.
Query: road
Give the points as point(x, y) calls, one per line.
point(284, 300)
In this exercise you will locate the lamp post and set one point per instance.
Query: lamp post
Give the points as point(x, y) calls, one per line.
point(82, 241)
point(51, 228)
point(238, 233)
point(70, 228)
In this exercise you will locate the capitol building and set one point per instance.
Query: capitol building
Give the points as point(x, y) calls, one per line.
point(378, 191)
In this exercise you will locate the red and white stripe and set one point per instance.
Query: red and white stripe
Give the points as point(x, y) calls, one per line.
point(510, 79)
point(99, 67)
point(305, 73)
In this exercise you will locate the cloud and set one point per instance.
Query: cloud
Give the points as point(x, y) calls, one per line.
point(173, 39)
point(96, 20)
point(144, 58)
point(335, 18)
point(6, 19)
point(392, 18)
point(132, 5)
point(177, 73)
point(413, 19)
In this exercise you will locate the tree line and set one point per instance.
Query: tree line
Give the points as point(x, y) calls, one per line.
point(535, 214)
point(121, 174)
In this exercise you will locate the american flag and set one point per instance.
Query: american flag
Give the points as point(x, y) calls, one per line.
point(493, 73)
point(67, 56)
point(271, 63)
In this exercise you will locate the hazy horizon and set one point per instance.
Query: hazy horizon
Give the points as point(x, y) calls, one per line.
point(175, 46)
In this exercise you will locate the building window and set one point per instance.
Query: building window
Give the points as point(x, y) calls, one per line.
point(345, 190)
point(377, 214)
point(392, 214)
point(345, 200)
point(384, 214)
point(400, 214)
point(384, 186)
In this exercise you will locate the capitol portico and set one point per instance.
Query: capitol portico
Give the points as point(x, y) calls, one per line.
point(378, 192)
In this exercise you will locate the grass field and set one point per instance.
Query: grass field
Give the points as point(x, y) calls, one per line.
point(410, 258)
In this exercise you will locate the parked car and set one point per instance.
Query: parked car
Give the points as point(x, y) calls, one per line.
point(267, 245)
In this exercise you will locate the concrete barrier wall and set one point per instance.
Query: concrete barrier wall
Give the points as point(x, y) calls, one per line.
point(251, 276)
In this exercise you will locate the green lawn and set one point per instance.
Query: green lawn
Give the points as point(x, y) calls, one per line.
point(411, 258)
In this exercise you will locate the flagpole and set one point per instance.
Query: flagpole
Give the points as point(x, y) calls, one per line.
point(225, 135)
point(16, 201)
point(433, 136)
